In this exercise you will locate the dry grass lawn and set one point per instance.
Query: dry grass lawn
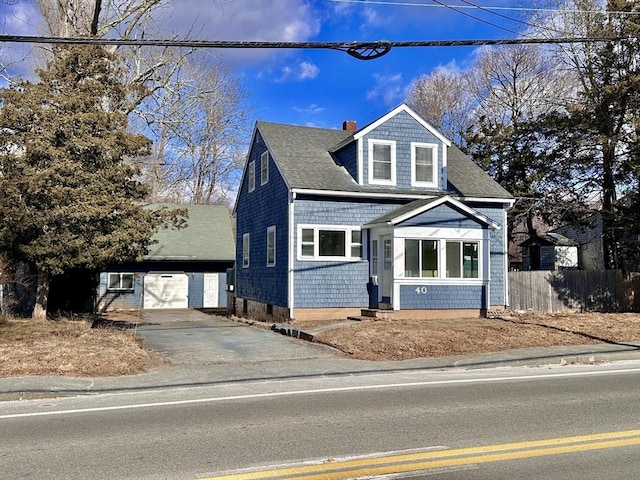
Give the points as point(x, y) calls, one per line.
point(406, 339)
point(70, 348)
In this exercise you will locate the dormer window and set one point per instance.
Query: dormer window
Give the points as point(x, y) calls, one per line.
point(424, 163)
point(382, 162)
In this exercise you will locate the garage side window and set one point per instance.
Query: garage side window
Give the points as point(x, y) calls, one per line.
point(120, 282)
point(245, 250)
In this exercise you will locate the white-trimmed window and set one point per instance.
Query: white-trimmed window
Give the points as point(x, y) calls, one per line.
point(271, 246)
point(252, 176)
point(427, 258)
point(424, 163)
point(374, 257)
point(463, 259)
point(120, 282)
point(382, 162)
point(421, 258)
point(264, 168)
point(329, 242)
point(245, 250)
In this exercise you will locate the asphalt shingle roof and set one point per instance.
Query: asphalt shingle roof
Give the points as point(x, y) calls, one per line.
point(207, 237)
point(304, 158)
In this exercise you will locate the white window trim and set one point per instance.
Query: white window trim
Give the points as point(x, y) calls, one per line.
point(442, 261)
point(371, 143)
point(264, 167)
point(271, 231)
point(340, 228)
point(246, 250)
point(434, 172)
point(252, 176)
point(121, 289)
point(481, 236)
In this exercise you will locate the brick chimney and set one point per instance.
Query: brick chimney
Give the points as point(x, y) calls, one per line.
point(349, 125)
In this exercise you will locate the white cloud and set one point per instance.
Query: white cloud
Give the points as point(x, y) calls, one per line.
point(298, 73)
point(312, 109)
point(388, 88)
point(246, 20)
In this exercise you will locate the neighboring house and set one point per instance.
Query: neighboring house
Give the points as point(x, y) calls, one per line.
point(588, 237)
point(391, 216)
point(186, 268)
point(549, 251)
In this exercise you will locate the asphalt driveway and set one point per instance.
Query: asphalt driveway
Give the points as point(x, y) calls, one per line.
point(191, 337)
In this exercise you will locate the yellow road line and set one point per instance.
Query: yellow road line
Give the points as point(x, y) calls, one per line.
point(403, 463)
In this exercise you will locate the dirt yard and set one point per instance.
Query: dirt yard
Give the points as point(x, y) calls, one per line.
point(406, 339)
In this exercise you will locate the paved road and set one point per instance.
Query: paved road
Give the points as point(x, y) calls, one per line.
point(568, 422)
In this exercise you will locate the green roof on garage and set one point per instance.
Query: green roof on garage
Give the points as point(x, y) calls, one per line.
point(207, 237)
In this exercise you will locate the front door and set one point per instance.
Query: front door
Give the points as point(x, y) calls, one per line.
point(387, 268)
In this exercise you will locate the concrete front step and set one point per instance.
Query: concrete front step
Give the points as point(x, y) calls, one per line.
point(376, 314)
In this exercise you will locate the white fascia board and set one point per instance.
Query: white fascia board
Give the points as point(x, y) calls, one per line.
point(246, 162)
point(360, 155)
point(244, 168)
point(342, 193)
point(507, 201)
point(403, 107)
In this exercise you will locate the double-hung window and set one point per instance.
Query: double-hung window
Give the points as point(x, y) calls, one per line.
point(120, 282)
point(382, 162)
point(264, 168)
point(424, 162)
point(329, 243)
point(245, 250)
point(252, 176)
point(271, 246)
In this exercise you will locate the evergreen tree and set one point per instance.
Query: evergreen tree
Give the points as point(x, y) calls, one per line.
point(71, 196)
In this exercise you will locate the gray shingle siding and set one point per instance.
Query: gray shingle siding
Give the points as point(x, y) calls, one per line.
point(403, 129)
point(497, 286)
point(442, 297)
point(266, 206)
point(442, 216)
point(348, 158)
point(325, 284)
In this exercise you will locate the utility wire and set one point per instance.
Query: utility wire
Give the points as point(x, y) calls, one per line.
point(515, 9)
point(359, 50)
point(455, 9)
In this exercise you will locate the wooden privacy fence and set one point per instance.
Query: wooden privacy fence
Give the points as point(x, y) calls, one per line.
point(574, 290)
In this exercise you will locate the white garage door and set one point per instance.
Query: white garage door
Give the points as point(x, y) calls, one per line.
point(166, 290)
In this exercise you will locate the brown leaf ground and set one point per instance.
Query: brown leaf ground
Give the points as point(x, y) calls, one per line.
point(407, 339)
point(70, 348)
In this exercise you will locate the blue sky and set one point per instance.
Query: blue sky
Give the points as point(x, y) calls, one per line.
point(319, 87)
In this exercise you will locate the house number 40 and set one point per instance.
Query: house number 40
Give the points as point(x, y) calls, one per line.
point(421, 290)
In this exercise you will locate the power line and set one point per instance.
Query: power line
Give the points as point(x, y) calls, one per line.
point(359, 50)
point(455, 9)
point(476, 7)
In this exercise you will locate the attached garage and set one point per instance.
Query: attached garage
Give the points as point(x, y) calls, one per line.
point(166, 290)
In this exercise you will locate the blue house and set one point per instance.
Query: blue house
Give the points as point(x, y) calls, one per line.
point(391, 216)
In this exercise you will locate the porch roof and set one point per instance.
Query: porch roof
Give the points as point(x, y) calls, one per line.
point(417, 207)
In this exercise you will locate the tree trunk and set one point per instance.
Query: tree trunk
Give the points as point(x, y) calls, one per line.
point(42, 296)
point(609, 233)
